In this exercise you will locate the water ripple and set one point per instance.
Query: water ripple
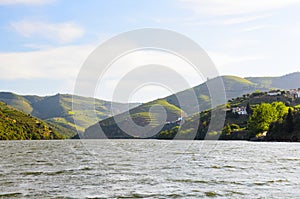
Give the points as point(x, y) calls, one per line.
point(141, 169)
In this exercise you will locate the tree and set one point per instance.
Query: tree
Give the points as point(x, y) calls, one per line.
point(248, 109)
point(290, 121)
point(281, 109)
point(263, 115)
point(226, 131)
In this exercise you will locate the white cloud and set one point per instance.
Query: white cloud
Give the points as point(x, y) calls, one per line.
point(55, 63)
point(36, 46)
point(60, 32)
point(259, 27)
point(239, 20)
point(62, 64)
point(233, 7)
point(126, 66)
point(224, 21)
point(225, 60)
point(25, 2)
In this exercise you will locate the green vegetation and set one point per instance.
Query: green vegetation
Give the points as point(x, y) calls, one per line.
point(57, 110)
point(140, 115)
point(263, 115)
point(16, 125)
point(285, 129)
point(168, 132)
point(234, 86)
point(262, 110)
point(268, 118)
point(16, 101)
point(236, 83)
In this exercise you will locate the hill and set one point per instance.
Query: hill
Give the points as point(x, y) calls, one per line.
point(57, 109)
point(234, 87)
point(236, 124)
point(140, 116)
point(284, 82)
point(16, 125)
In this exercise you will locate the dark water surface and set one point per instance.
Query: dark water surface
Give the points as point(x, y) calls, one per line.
point(148, 169)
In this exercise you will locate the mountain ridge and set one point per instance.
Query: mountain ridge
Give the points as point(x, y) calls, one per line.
point(234, 87)
point(57, 109)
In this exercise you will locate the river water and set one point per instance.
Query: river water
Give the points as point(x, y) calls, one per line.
point(149, 169)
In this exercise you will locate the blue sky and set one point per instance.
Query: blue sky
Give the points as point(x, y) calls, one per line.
point(43, 43)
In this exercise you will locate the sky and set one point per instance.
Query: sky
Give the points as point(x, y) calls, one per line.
point(44, 43)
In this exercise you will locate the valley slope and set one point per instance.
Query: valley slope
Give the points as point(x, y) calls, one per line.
point(57, 109)
point(16, 125)
point(234, 87)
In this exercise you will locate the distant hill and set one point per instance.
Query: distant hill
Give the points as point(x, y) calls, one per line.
point(234, 87)
point(288, 81)
point(16, 125)
point(57, 109)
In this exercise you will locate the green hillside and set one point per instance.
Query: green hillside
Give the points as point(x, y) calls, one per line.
point(236, 125)
point(16, 125)
point(16, 101)
point(57, 109)
point(234, 87)
point(140, 115)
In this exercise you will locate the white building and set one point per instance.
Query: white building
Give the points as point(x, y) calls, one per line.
point(274, 93)
point(240, 110)
point(295, 93)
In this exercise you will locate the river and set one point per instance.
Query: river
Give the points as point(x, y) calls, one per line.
point(149, 169)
